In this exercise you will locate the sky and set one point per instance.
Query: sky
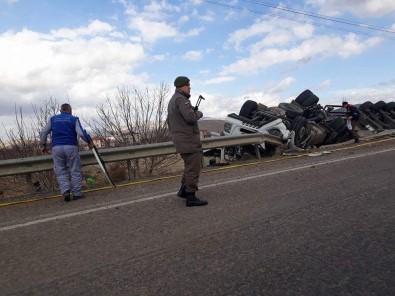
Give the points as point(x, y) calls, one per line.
point(232, 51)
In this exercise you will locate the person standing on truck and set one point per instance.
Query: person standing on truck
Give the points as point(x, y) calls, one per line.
point(352, 115)
point(182, 119)
point(65, 130)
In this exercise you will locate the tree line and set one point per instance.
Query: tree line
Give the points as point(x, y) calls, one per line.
point(131, 116)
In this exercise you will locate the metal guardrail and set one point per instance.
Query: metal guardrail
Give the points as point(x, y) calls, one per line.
point(45, 163)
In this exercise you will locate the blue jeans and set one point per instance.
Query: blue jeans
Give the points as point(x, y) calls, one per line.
point(67, 168)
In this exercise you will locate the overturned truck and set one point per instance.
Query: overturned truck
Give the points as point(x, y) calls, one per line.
point(303, 123)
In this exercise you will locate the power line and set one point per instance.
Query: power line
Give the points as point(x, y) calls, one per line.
point(316, 15)
point(299, 21)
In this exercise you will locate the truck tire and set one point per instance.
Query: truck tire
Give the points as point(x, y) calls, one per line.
point(291, 110)
point(338, 125)
point(303, 96)
point(380, 105)
point(248, 107)
point(390, 107)
point(310, 101)
point(344, 136)
point(293, 102)
point(307, 99)
point(299, 125)
point(367, 106)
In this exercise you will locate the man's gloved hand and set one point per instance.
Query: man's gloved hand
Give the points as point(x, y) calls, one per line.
point(196, 108)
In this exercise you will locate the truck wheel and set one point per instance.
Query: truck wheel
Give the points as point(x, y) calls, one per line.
point(380, 105)
point(390, 107)
point(367, 106)
point(299, 125)
point(338, 125)
point(307, 99)
point(248, 107)
point(303, 96)
point(310, 101)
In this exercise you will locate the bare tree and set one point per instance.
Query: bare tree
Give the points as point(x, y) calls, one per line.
point(23, 142)
point(44, 112)
point(135, 117)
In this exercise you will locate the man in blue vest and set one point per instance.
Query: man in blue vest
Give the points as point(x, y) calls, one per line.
point(65, 130)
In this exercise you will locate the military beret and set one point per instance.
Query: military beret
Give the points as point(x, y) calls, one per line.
point(181, 81)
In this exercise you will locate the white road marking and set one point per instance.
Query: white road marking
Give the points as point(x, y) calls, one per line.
point(127, 203)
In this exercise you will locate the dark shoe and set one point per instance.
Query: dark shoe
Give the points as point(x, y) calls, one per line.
point(193, 201)
point(66, 195)
point(183, 191)
point(76, 197)
point(356, 141)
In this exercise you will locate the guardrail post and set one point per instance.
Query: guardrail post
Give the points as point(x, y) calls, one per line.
point(257, 153)
point(222, 160)
point(279, 150)
point(30, 183)
point(129, 165)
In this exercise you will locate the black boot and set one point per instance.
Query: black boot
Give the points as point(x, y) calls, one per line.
point(183, 191)
point(193, 201)
point(66, 195)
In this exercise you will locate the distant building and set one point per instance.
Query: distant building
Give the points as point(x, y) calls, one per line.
point(99, 142)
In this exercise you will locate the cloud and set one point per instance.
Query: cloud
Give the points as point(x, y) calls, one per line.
point(160, 57)
point(386, 83)
point(320, 46)
point(270, 32)
point(95, 28)
point(183, 19)
point(282, 85)
point(152, 22)
point(9, 1)
point(361, 95)
point(323, 84)
point(151, 31)
point(192, 55)
point(237, 37)
point(209, 16)
point(361, 8)
point(86, 62)
point(218, 80)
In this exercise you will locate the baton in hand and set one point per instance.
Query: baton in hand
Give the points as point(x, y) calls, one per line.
point(198, 102)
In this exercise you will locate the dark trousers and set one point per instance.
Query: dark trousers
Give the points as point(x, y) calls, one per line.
point(353, 131)
point(192, 168)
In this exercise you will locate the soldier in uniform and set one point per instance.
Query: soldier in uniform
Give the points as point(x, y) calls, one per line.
point(182, 119)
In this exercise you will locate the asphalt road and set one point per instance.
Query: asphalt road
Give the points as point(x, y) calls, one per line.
point(304, 226)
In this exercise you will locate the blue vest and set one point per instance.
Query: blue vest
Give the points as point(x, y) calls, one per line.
point(63, 130)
